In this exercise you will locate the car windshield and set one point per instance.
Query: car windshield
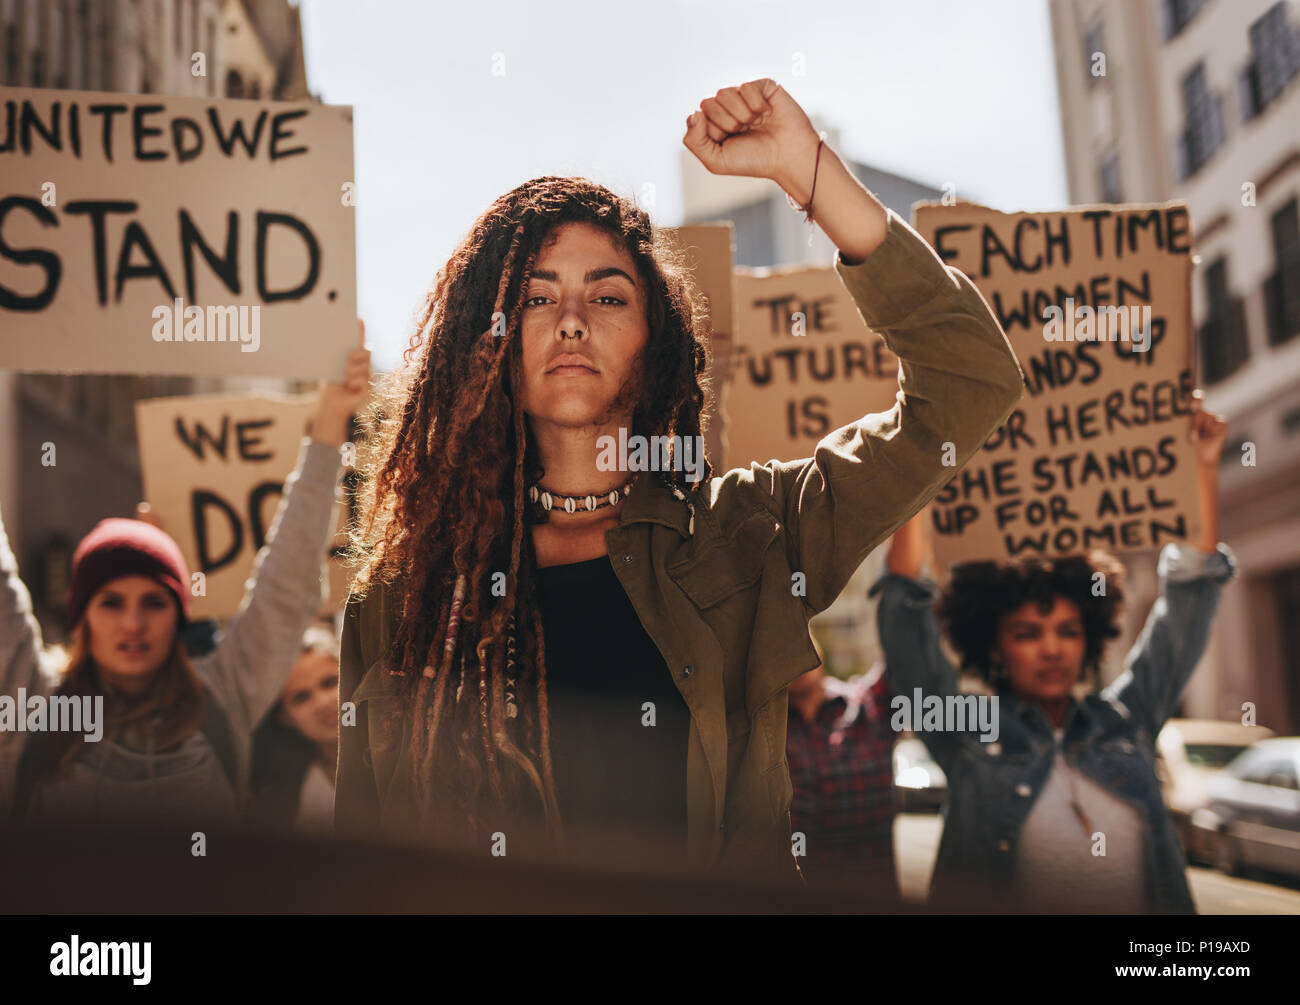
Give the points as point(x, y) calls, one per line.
point(1212, 755)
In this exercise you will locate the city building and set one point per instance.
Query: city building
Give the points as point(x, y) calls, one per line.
point(263, 54)
point(1199, 100)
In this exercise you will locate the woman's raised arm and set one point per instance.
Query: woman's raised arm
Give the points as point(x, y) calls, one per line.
point(958, 378)
point(22, 653)
point(262, 642)
point(1177, 629)
point(757, 130)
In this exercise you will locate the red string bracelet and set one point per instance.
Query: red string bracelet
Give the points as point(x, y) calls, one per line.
point(808, 210)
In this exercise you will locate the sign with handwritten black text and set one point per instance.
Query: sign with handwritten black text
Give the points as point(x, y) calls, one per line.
point(214, 469)
point(803, 364)
point(1096, 303)
point(165, 235)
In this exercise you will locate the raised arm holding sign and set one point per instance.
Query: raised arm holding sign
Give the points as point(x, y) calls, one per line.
point(162, 739)
point(1062, 767)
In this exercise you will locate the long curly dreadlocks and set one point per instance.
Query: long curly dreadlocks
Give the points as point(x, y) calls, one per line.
point(443, 501)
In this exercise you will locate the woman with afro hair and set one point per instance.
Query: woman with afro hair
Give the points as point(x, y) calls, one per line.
point(560, 642)
point(1056, 807)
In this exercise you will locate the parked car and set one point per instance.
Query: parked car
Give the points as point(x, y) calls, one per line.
point(1189, 752)
point(1252, 818)
point(920, 783)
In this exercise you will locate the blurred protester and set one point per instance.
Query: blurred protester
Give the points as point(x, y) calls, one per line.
point(200, 635)
point(173, 733)
point(295, 749)
point(1061, 811)
point(839, 746)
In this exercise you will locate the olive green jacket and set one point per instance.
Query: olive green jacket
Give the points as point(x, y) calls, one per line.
point(723, 604)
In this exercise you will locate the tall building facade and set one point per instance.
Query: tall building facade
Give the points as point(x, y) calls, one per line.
point(174, 47)
point(1199, 100)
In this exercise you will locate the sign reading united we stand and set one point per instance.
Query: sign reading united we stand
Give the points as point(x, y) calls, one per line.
point(169, 235)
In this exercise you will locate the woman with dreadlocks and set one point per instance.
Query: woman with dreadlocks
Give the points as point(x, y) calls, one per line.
point(537, 634)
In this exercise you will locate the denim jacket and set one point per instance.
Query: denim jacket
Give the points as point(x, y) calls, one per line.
point(1109, 736)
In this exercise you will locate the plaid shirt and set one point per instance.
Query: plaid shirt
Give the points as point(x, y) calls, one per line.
point(842, 773)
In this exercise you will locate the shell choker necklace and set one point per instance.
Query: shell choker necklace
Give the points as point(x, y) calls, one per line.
point(579, 504)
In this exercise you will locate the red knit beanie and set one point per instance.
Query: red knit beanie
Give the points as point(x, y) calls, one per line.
point(118, 547)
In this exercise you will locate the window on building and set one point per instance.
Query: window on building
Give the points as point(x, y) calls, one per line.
point(58, 48)
point(1176, 14)
point(108, 49)
point(9, 13)
point(1222, 337)
point(31, 41)
point(210, 43)
point(1093, 42)
point(82, 36)
point(1110, 186)
point(1282, 288)
point(234, 84)
point(1275, 60)
point(1203, 131)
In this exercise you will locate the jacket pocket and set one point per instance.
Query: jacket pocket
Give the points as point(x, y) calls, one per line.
point(727, 564)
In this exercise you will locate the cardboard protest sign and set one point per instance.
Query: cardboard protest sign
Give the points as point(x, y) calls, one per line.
point(803, 364)
point(1097, 306)
point(708, 249)
point(214, 470)
point(168, 235)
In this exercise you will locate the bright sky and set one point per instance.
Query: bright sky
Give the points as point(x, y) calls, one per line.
point(938, 90)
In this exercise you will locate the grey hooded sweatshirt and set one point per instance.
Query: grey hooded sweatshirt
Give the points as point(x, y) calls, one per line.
point(116, 784)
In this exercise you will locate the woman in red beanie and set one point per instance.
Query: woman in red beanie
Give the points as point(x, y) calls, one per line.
point(161, 737)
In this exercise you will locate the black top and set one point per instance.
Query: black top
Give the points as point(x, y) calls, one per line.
point(614, 772)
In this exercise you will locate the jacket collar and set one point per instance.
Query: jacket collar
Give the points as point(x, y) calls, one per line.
point(652, 501)
point(1027, 712)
